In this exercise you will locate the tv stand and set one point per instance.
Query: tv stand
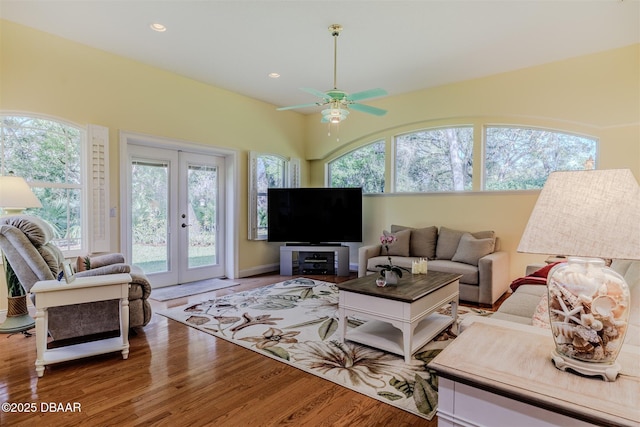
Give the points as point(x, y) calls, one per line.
point(286, 257)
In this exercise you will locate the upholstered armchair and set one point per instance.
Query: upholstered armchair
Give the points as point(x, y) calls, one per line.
point(26, 243)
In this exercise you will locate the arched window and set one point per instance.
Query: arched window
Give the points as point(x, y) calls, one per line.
point(434, 160)
point(520, 158)
point(363, 167)
point(53, 157)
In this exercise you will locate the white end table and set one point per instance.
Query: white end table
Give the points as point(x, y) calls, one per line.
point(52, 293)
point(499, 373)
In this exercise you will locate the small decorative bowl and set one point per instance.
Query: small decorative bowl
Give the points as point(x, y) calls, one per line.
point(381, 282)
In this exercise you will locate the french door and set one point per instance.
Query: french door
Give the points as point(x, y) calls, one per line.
point(176, 214)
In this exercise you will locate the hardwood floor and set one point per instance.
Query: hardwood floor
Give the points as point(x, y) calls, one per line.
point(176, 375)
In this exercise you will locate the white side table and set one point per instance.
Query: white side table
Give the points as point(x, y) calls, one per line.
point(52, 293)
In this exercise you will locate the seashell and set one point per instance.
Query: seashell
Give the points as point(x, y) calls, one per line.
point(582, 345)
point(587, 334)
point(561, 292)
point(603, 305)
point(562, 329)
point(577, 282)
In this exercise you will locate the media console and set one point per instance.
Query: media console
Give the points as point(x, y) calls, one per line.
point(315, 259)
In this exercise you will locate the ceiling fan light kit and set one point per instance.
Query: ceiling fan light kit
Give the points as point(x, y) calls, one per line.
point(338, 100)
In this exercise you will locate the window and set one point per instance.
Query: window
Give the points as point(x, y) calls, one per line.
point(518, 158)
point(267, 171)
point(434, 160)
point(52, 157)
point(363, 167)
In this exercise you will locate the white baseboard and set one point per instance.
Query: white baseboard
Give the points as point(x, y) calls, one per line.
point(254, 271)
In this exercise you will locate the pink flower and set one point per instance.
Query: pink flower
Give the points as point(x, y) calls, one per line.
point(387, 239)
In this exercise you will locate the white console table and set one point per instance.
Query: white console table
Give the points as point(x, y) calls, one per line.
point(499, 373)
point(52, 293)
point(286, 257)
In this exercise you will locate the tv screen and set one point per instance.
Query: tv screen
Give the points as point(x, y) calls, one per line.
point(314, 215)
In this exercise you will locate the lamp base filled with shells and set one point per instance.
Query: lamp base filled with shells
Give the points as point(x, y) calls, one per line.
point(589, 314)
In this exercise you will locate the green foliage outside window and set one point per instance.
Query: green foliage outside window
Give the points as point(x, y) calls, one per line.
point(270, 174)
point(363, 168)
point(523, 158)
point(47, 154)
point(434, 160)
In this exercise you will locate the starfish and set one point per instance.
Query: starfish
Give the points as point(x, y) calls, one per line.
point(568, 314)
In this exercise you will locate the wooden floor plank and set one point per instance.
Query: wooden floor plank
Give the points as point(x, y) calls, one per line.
point(176, 375)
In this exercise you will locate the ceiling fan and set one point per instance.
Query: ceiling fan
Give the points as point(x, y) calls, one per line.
point(338, 100)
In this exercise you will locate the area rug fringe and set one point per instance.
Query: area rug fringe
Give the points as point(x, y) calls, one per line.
point(295, 322)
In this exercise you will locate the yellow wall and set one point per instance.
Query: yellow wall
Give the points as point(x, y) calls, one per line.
point(596, 95)
point(48, 75)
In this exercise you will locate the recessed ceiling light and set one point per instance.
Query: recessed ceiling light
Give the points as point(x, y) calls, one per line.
point(274, 75)
point(158, 27)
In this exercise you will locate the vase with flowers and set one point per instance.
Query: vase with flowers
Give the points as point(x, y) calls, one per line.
point(389, 272)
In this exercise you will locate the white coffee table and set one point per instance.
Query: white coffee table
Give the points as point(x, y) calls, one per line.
point(52, 293)
point(402, 317)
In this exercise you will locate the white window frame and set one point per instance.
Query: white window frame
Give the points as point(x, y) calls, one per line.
point(94, 155)
point(291, 179)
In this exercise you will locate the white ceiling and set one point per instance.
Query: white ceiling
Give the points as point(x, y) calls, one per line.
point(400, 46)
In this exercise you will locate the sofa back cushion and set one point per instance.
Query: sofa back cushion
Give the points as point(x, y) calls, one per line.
point(423, 240)
point(401, 246)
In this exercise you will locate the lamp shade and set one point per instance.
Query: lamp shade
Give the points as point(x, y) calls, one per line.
point(592, 213)
point(15, 193)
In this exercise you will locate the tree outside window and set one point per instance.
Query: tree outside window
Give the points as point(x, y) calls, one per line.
point(434, 160)
point(519, 158)
point(47, 154)
point(363, 167)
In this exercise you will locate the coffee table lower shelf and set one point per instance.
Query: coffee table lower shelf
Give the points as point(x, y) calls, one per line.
point(385, 336)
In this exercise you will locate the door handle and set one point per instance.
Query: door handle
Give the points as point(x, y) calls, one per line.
point(185, 225)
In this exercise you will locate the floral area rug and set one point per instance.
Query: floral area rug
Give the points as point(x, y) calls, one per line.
point(296, 322)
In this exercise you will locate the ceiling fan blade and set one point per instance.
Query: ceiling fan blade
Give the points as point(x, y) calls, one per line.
point(315, 92)
point(371, 93)
point(292, 107)
point(368, 109)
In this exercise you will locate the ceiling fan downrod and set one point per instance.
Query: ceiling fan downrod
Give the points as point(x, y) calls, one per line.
point(335, 32)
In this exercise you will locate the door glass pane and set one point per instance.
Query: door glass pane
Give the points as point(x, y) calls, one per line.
point(149, 213)
point(201, 215)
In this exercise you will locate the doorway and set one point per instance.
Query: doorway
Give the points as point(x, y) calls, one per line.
point(176, 214)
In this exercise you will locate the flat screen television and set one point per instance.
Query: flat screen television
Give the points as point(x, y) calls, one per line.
point(314, 215)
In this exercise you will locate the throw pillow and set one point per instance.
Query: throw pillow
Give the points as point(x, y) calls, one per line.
point(448, 240)
point(470, 249)
point(401, 246)
point(423, 242)
point(541, 315)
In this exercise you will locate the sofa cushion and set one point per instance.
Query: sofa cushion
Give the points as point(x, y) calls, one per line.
point(423, 240)
point(448, 240)
point(470, 275)
point(401, 246)
point(471, 249)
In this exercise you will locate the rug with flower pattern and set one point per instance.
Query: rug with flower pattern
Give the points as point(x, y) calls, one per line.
point(296, 322)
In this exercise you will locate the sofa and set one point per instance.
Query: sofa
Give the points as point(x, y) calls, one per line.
point(26, 243)
point(526, 304)
point(476, 256)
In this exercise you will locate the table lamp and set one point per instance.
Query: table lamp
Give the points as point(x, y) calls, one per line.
point(15, 196)
point(588, 216)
